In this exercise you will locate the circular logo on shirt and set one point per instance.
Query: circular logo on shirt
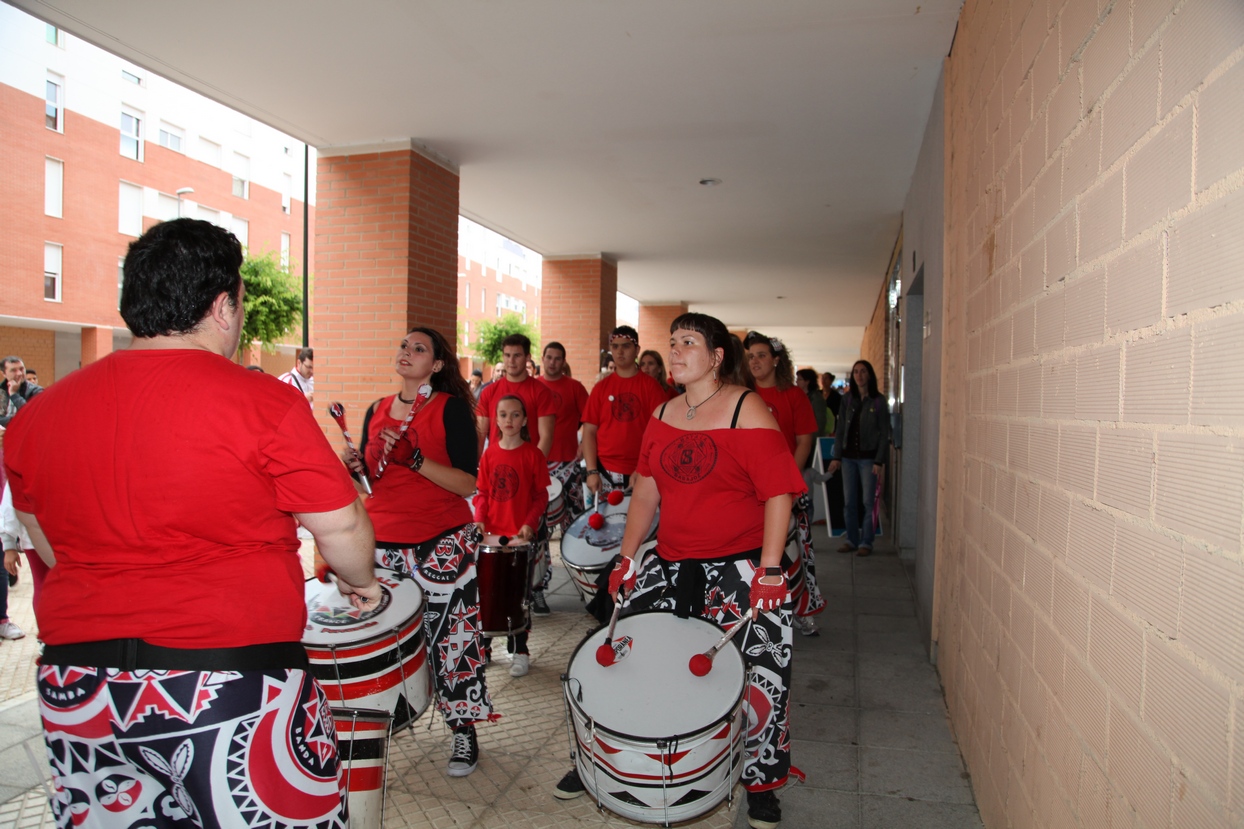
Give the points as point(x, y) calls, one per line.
point(504, 483)
point(690, 458)
point(626, 407)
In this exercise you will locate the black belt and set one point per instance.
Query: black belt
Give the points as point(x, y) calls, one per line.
point(135, 655)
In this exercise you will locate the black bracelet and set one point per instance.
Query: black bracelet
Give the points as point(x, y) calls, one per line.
point(416, 460)
point(592, 472)
point(771, 571)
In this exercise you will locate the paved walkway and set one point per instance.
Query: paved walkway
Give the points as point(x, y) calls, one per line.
point(869, 725)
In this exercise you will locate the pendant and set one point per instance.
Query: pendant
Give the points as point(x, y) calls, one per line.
point(691, 413)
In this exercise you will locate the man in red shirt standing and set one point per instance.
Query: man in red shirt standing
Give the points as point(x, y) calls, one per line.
point(161, 486)
point(569, 401)
point(617, 413)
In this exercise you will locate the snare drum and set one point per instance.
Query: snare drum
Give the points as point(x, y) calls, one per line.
point(363, 746)
point(374, 658)
point(556, 512)
point(504, 575)
point(586, 552)
point(656, 743)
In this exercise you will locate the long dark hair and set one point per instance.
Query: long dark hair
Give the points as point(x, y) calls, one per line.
point(523, 433)
point(449, 379)
point(715, 336)
point(783, 369)
point(660, 378)
point(872, 379)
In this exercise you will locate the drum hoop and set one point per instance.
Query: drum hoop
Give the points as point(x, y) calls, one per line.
point(640, 738)
point(494, 549)
point(415, 618)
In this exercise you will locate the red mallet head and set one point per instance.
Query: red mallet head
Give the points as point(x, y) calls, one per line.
point(615, 497)
point(596, 520)
point(604, 655)
point(322, 570)
point(700, 665)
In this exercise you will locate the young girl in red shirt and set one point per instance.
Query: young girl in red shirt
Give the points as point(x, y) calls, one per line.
point(512, 495)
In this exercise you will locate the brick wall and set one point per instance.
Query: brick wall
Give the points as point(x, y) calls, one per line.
point(654, 327)
point(579, 309)
point(385, 260)
point(1089, 550)
point(36, 347)
point(872, 346)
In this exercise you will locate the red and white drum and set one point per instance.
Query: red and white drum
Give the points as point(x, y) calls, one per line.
point(370, 659)
point(503, 572)
point(363, 745)
point(654, 742)
point(586, 551)
point(556, 512)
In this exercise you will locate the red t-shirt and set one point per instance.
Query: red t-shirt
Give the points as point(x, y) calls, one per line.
point(620, 408)
point(164, 481)
point(406, 508)
point(714, 485)
point(513, 488)
point(536, 400)
point(793, 411)
point(569, 400)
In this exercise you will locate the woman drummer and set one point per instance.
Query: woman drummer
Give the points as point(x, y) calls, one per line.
point(423, 524)
point(715, 462)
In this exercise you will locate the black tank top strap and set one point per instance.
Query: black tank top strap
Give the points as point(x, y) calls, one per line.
point(661, 414)
point(734, 421)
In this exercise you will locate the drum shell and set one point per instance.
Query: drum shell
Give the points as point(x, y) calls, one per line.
point(556, 512)
point(363, 747)
point(504, 577)
point(586, 553)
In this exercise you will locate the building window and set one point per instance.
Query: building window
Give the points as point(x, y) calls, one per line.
point(166, 207)
point(209, 151)
point(126, 75)
point(466, 330)
point(54, 111)
point(287, 188)
point(52, 258)
point(209, 215)
point(120, 279)
point(241, 229)
point(468, 295)
point(132, 134)
point(171, 137)
point(241, 176)
point(284, 250)
point(483, 298)
point(54, 36)
point(53, 187)
point(130, 210)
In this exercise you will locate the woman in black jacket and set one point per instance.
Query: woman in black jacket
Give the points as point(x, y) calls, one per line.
point(861, 444)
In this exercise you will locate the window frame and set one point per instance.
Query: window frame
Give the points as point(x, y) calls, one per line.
point(58, 81)
point(137, 136)
point(58, 275)
point(48, 161)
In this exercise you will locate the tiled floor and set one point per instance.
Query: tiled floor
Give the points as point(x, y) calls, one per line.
point(868, 720)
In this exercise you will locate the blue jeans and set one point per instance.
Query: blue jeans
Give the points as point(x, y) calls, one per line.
point(857, 473)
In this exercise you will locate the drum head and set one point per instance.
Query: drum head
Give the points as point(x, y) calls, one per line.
point(651, 693)
point(492, 544)
point(332, 620)
point(555, 489)
point(585, 547)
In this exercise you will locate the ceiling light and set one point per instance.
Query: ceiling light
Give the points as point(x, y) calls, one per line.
point(710, 182)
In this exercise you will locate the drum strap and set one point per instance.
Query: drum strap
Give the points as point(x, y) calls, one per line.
point(135, 655)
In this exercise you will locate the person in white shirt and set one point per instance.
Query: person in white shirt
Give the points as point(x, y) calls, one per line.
point(302, 376)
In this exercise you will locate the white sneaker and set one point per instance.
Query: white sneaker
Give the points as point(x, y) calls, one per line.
point(520, 665)
point(8, 630)
point(805, 625)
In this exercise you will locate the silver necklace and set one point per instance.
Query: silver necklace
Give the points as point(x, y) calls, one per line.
point(691, 409)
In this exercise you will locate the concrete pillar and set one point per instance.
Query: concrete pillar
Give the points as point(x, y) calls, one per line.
point(386, 256)
point(654, 326)
point(96, 343)
point(579, 308)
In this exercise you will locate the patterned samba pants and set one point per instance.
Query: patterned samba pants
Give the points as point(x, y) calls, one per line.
point(180, 749)
point(765, 645)
point(444, 569)
point(809, 602)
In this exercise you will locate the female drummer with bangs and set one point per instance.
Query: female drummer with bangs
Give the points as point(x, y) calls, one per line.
point(424, 527)
point(716, 463)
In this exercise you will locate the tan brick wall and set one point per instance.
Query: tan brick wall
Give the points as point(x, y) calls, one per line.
point(36, 347)
point(654, 326)
point(1090, 556)
point(872, 346)
point(96, 344)
point(579, 309)
point(386, 255)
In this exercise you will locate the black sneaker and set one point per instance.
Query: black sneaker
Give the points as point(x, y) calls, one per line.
point(763, 811)
point(465, 756)
point(538, 605)
point(570, 786)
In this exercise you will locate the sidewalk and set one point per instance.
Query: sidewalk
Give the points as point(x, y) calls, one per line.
point(869, 725)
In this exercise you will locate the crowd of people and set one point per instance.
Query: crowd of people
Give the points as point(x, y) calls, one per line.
point(714, 432)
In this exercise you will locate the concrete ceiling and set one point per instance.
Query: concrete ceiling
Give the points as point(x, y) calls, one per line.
point(585, 126)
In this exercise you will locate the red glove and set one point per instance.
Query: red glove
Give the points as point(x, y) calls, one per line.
point(623, 576)
point(403, 450)
point(766, 596)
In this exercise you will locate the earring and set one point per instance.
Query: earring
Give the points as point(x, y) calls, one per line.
point(714, 374)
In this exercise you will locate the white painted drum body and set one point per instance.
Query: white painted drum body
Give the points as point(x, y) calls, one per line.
point(363, 745)
point(370, 659)
point(654, 742)
point(586, 552)
point(556, 511)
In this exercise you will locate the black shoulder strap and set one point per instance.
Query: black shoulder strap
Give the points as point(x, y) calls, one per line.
point(661, 414)
point(738, 408)
point(362, 442)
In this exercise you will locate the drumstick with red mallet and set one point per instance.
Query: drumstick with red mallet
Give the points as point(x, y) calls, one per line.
point(425, 391)
point(338, 413)
point(597, 519)
point(604, 654)
point(702, 663)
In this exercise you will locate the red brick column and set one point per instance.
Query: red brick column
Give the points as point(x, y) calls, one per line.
point(578, 308)
point(654, 326)
point(96, 343)
point(386, 255)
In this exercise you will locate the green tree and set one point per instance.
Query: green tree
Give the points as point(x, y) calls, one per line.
point(273, 300)
point(490, 334)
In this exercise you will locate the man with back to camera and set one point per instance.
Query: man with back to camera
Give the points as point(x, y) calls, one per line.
point(161, 485)
point(17, 390)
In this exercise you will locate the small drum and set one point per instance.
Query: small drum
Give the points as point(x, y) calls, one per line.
point(370, 659)
point(656, 743)
point(556, 512)
point(586, 552)
point(363, 746)
point(504, 573)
